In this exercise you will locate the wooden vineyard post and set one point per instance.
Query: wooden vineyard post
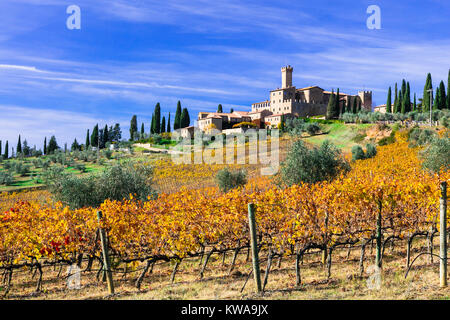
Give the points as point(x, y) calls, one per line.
point(254, 246)
point(106, 261)
point(443, 235)
point(379, 235)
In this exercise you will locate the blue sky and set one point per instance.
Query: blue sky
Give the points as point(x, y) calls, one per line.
point(131, 54)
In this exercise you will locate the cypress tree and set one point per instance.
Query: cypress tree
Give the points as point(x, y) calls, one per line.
point(426, 95)
point(395, 110)
point(406, 98)
point(400, 101)
point(152, 125)
point(436, 99)
point(448, 91)
point(185, 120)
point(168, 124)
point(344, 106)
point(142, 130)
point(389, 101)
point(6, 150)
point(0, 148)
point(94, 137)
point(177, 122)
point(157, 118)
point(403, 99)
point(52, 145)
point(442, 97)
point(45, 145)
point(163, 124)
point(337, 107)
point(105, 136)
point(219, 109)
point(88, 142)
point(231, 110)
point(359, 105)
point(331, 105)
point(415, 103)
point(133, 128)
point(19, 146)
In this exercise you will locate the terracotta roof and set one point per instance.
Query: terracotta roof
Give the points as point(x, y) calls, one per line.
point(307, 88)
point(340, 93)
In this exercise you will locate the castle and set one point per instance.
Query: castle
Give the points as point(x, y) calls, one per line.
point(287, 101)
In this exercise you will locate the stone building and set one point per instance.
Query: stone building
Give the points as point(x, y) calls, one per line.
point(288, 101)
point(304, 102)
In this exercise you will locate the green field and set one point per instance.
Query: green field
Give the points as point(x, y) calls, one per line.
point(344, 136)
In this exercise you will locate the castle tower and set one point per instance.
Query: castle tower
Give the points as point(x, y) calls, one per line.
point(286, 77)
point(366, 99)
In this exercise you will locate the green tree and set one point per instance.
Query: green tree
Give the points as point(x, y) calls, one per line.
point(337, 107)
point(437, 155)
point(142, 130)
point(6, 150)
point(448, 91)
point(105, 137)
point(219, 109)
point(152, 125)
point(436, 101)
point(177, 122)
point(133, 128)
point(426, 95)
point(442, 97)
point(185, 120)
point(19, 146)
point(395, 110)
point(87, 143)
point(331, 106)
point(157, 118)
point(75, 145)
point(406, 99)
point(116, 133)
point(0, 148)
point(52, 145)
point(303, 164)
point(94, 137)
point(389, 101)
point(168, 124)
point(231, 110)
point(45, 145)
point(163, 124)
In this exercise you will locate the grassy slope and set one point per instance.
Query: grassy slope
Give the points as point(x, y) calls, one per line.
point(340, 134)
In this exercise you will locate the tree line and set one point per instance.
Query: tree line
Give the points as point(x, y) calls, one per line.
point(404, 104)
point(159, 125)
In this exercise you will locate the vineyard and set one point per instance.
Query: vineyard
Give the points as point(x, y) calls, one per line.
point(390, 188)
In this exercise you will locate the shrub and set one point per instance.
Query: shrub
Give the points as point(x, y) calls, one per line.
point(445, 121)
point(21, 168)
point(312, 128)
point(421, 137)
point(312, 165)
point(358, 153)
point(371, 150)
point(227, 179)
point(6, 178)
point(437, 155)
point(108, 154)
point(117, 182)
